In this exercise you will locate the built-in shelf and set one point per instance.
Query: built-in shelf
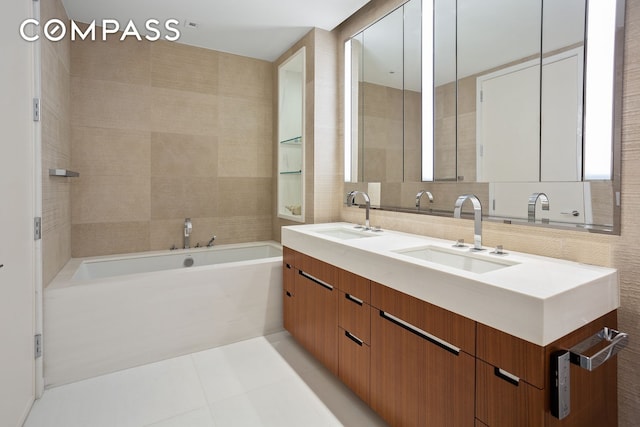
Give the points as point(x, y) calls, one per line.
point(63, 172)
point(290, 141)
point(293, 141)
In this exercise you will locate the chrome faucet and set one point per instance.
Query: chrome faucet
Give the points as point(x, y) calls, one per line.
point(544, 202)
point(423, 193)
point(351, 197)
point(477, 218)
point(188, 228)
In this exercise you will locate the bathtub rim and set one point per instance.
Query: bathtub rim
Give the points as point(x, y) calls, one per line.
point(64, 279)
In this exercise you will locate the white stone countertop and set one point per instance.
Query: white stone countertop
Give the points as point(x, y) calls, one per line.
point(538, 299)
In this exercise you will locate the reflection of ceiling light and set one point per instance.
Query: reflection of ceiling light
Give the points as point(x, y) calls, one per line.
point(191, 24)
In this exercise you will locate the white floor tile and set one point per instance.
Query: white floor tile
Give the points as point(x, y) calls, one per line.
point(134, 397)
point(198, 418)
point(267, 381)
point(238, 368)
point(282, 404)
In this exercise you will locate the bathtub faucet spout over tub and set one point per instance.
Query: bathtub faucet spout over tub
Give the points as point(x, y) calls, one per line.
point(188, 228)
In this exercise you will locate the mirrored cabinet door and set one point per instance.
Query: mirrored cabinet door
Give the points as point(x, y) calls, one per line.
point(291, 82)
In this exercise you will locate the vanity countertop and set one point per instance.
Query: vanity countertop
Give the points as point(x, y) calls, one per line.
point(539, 299)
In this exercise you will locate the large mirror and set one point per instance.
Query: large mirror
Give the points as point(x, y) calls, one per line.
point(511, 110)
point(386, 98)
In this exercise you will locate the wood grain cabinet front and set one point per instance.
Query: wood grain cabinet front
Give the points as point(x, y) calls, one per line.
point(354, 319)
point(418, 378)
point(417, 364)
point(354, 363)
point(316, 316)
point(504, 400)
point(514, 381)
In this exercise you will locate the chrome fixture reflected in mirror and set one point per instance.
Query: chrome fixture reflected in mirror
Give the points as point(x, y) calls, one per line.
point(533, 199)
point(510, 95)
point(423, 193)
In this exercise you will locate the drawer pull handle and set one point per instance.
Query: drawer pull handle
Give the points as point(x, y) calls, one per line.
point(354, 299)
point(618, 340)
point(317, 281)
point(288, 266)
point(353, 338)
point(510, 378)
point(422, 334)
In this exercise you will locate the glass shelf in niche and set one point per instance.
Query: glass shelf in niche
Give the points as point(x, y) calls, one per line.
point(291, 173)
point(292, 141)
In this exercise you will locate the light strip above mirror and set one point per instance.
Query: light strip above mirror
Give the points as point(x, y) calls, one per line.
point(427, 90)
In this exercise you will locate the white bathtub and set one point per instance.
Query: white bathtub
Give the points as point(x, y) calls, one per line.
point(104, 314)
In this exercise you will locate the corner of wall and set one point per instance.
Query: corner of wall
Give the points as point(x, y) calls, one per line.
point(56, 146)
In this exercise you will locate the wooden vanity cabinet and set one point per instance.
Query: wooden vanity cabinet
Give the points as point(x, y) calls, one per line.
point(502, 400)
point(422, 363)
point(417, 364)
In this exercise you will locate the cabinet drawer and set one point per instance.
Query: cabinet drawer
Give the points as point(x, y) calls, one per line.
point(355, 316)
point(517, 356)
point(354, 285)
point(318, 269)
point(501, 401)
point(354, 363)
point(446, 325)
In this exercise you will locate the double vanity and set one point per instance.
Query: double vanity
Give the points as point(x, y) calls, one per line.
point(431, 333)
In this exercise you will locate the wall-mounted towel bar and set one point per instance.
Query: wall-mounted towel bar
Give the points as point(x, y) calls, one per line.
point(617, 341)
point(63, 172)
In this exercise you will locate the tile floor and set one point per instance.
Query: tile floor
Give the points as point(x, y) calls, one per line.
point(266, 381)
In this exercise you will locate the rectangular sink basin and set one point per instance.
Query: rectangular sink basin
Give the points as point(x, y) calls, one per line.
point(456, 259)
point(345, 233)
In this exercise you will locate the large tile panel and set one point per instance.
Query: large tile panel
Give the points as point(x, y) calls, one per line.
point(185, 68)
point(98, 103)
point(184, 155)
point(110, 199)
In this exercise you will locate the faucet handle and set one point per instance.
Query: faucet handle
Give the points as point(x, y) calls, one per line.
point(459, 244)
point(499, 251)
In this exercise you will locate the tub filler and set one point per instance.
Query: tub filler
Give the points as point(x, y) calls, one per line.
point(105, 314)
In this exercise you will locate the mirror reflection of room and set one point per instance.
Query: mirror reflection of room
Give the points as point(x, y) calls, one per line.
point(508, 98)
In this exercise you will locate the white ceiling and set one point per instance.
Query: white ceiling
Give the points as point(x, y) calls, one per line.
point(262, 29)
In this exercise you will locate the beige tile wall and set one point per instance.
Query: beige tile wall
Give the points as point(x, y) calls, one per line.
point(56, 147)
point(620, 252)
point(160, 132)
